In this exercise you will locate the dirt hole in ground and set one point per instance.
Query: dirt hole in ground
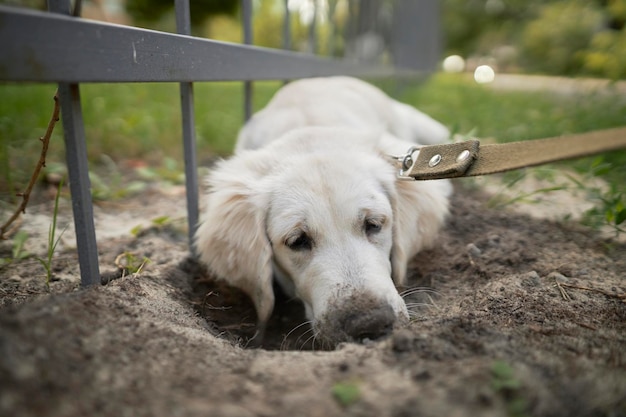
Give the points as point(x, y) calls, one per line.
point(232, 316)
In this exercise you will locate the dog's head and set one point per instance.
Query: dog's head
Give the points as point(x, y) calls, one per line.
point(322, 212)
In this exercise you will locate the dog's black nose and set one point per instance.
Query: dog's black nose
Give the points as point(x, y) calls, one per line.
point(370, 325)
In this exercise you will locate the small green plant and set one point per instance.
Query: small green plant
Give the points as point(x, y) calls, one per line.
point(346, 393)
point(19, 240)
point(503, 377)
point(17, 250)
point(503, 199)
point(130, 263)
point(609, 202)
point(169, 172)
point(610, 210)
point(53, 240)
point(597, 180)
point(114, 185)
point(156, 223)
point(161, 221)
point(505, 383)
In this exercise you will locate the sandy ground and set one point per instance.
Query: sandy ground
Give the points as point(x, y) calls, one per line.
point(513, 316)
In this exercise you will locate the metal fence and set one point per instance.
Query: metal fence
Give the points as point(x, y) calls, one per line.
point(54, 46)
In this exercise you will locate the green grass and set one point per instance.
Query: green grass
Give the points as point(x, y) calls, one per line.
point(122, 121)
point(505, 383)
point(53, 239)
point(142, 121)
point(464, 105)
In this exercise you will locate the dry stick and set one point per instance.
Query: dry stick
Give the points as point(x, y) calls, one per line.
point(564, 293)
point(45, 140)
point(608, 294)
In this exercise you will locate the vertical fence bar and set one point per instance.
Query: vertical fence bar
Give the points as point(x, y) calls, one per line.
point(78, 171)
point(246, 13)
point(286, 30)
point(183, 26)
point(287, 27)
point(60, 6)
point(416, 42)
point(313, 30)
point(332, 28)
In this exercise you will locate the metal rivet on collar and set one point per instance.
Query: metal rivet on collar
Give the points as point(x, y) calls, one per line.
point(463, 156)
point(434, 161)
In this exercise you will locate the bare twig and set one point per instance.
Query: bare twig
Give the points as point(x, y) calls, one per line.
point(45, 141)
point(208, 306)
point(143, 263)
point(564, 293)
point(118, 261)
point(608, 294)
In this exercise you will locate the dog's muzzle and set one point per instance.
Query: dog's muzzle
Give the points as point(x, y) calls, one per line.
point(357, 319)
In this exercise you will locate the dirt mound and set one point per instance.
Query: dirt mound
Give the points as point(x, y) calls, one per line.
point(512, 316)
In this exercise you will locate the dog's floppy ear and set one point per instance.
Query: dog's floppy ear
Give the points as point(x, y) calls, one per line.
point(419, 209)
point(231, 236)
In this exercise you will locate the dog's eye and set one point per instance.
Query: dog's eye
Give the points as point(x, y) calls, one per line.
point(372, 226)
point(299, 242)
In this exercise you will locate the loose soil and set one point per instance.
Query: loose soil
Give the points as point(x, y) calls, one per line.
point(512, 316)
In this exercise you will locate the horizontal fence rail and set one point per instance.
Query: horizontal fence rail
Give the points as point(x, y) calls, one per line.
point(45, 47)
point(55, 47)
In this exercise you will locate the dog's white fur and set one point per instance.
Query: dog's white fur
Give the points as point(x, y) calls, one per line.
point(310, 199)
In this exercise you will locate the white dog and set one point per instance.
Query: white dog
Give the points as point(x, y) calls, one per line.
point(311, 199)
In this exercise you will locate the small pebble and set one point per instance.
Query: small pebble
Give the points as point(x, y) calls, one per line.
point(473, 250)
point(494, 240)
point(558, 277)
point(532, 279)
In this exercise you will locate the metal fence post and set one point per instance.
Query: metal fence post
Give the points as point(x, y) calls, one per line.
point(183, 25)
point(312, 37)
point(415, 36)
point(246, 12)
point(78, 171)
point(287, 27)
